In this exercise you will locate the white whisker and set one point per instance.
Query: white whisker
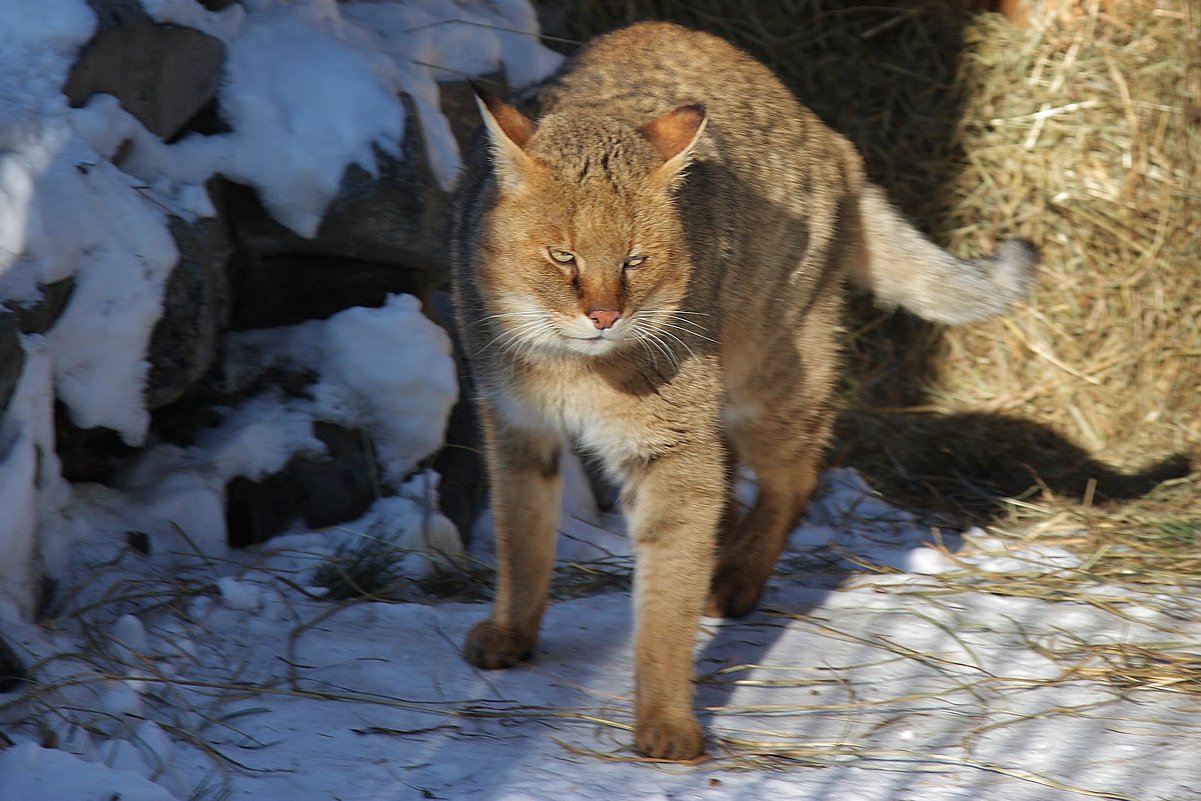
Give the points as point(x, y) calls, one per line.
point(653, 338)
point(690, 332)
point(666, 333)
point(515, 333)
point(503, 315)
point(640, 338)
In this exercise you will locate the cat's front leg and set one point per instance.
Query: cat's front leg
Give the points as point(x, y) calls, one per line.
point(673, 506)
point(523, 471)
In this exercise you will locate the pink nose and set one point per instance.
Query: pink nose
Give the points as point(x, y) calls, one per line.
point(603, 318)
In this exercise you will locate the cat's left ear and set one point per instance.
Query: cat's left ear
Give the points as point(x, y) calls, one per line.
point(509, 132)
point(675, 135)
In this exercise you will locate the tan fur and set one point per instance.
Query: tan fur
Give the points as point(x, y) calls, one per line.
point(649, 262)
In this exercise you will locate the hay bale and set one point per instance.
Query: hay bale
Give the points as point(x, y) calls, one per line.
point(1079, 136)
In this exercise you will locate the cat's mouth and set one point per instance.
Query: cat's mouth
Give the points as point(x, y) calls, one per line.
point(597, 339)
point(592, 345)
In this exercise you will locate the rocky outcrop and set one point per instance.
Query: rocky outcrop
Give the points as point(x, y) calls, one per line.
point(383, 233)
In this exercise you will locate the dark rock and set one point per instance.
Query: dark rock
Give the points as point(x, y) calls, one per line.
point(256, 511)
point(138, 541)
point(13, 672)
point(290, 288)
point(342, 485)
point(196, 304)
point(12, 359)
point(87, 454)
point(207, 122)
point(40, 316)
point(321, 489)
point(395, 222)
point(162, 74)
point(457, 101)
point(217, 5)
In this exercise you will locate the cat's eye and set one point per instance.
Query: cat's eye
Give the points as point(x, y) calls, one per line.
point(561, 256)
point(633, 261)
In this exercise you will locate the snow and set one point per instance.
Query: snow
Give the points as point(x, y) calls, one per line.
point(196, 672)
point(848, 684)
point(34, 772)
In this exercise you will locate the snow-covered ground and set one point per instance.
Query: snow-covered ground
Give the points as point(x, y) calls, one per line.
point(226, 679)
point(879, 667)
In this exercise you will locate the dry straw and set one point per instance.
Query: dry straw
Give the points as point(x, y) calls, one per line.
point(1079, 136)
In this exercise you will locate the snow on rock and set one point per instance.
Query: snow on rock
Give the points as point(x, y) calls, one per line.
point(313, 86)
point(100, 342)
point(66, 211)
point(33, 494)
point(255, 439)
point(388, 369)
point(295, 90)
point(394, 367)
point(428, 40)
point(223, 23)
point(182, 513)
point(18, 499)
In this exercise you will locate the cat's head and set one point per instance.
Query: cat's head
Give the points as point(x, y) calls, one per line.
point(583, 251)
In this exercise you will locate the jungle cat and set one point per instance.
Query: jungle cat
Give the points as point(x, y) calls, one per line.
point(650, 251)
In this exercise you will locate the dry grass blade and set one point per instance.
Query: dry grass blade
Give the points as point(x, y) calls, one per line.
point(1170, 666)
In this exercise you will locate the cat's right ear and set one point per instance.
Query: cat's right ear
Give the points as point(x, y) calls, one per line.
point(509, 131)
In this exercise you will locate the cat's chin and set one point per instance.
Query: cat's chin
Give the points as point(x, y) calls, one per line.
point(591, 346)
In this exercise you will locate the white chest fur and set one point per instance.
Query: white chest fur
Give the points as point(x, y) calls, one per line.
point(582, 407)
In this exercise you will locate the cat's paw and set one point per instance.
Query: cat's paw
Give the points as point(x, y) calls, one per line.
point(734, 593)
point(492, 646)
point(662, 737)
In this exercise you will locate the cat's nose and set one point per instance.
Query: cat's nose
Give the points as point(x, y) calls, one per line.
point(603, 318)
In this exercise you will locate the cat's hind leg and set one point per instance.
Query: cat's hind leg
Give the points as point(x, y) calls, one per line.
point(748, 552)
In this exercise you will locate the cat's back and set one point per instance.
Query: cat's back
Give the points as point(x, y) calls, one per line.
point(649, 68)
